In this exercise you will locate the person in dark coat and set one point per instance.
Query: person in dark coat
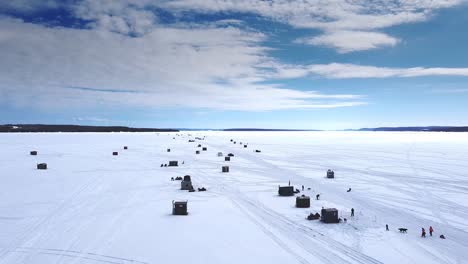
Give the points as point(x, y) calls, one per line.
point(352, 211)
point(302, 187)
point(317, 196)
point(423, 232)
point(386, 227)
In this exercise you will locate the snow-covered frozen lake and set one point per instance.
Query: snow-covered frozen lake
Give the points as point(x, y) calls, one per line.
point(93, 207)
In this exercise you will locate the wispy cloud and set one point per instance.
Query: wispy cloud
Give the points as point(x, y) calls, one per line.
point(344, 71)
point(349, 41)
point(347, 25)
point(195, 67)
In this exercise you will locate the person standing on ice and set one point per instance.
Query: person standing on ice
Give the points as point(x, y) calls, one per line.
point(352, 211)
point(289, 183)
point(423, 232)
point(386, 227)
point(431, 230)
point(302, 187)
point(317, 196)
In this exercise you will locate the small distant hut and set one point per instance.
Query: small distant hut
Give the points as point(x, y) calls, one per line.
point(232, 140)
point(230, 155)
point(173, 163)
point(302, 201)
point(245, 146)
point(225, 169)
point(285, 190)
point(191, 140)
point(204, 148)
point(258, 151)
point(125, 147)
point(115, 153)
point(227, 158)
point(330, 215)
point(199, 146)
point(197, 152)
point(220, 154)
point(168, 150)
point(42, 166)
point(330, 174)
point(186, 183)
point(33, 153)
point(179, 208)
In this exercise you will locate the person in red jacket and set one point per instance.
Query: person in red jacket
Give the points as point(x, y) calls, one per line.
point(431, 230)
point(423, 232)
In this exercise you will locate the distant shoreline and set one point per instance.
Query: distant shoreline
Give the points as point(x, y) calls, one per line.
point(21, 128)
point(38, 128)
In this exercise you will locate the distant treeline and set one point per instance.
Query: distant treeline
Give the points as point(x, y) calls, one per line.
point(76, 128)
point(420, 129)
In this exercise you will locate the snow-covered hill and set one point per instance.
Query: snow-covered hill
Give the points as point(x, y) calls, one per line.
point(93, 207)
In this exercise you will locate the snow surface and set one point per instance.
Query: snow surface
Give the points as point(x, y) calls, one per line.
point(92, 207)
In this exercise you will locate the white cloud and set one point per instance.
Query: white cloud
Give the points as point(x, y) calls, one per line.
point(341, 21)
point(343, 71)
point(349, 41)
point(207, 68)
point(346, 26)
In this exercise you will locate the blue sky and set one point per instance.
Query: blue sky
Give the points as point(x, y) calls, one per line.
point(234, 63)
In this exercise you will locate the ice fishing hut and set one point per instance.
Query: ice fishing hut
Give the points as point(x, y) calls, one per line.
point(230, 155)
point(33, 153)
point(168, 150)
point(197, 152)
point(42, 166)
point(285, 190)
point(245, 146)
point(232, 140)
point(186, 183)
point(204, 148)
point(220, 154)
point(302, 201)
point(329, 215)
point(115, 153)
point(258, 151)
point(199, 145)
point(173, 163)
point(179, 208)
point(330, 174)
point(227, 158)
point(225, 169)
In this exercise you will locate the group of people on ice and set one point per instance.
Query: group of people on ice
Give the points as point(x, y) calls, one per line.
point(431, 230)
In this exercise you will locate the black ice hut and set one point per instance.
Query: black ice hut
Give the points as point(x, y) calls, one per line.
point(42, 166)
point(179, 208)
point(285, 190)
point(330, 215)
point(302, 201)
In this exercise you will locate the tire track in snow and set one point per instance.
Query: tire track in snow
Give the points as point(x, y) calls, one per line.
point(313, 244)
point(29, 232)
